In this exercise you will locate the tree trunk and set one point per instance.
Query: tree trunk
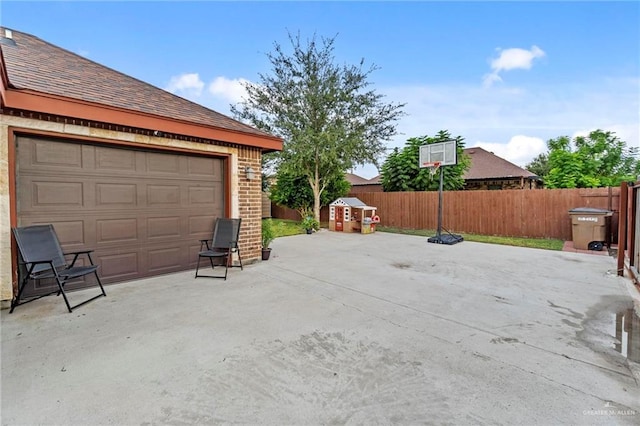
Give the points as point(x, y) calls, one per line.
point(316, 204)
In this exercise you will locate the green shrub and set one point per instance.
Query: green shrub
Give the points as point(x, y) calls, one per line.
point(268, 234)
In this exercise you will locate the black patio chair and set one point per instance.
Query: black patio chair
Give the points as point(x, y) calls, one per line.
point(221, 247)
point(42, 257)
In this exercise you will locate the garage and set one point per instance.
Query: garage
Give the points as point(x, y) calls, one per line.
point(117, 165)
point(142, 211)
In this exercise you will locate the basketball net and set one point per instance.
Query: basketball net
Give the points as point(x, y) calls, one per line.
point(432, 166)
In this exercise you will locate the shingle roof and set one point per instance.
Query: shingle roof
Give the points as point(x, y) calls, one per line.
point(487, 165)
point(355, 179)
point(36, 65)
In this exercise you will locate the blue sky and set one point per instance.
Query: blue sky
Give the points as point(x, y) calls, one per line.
point(506, 76)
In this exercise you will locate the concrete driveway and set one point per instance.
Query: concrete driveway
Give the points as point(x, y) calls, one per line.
point(335, 329)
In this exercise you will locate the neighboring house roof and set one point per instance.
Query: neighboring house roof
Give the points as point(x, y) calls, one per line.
point(487, 165)
point(40, 76)
point(356, 180)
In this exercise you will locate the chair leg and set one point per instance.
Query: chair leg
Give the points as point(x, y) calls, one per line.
point(240, 260)
point(198, 275)
point(15, 302)
point(197, 266)
point(100, 283)
point(61, 290)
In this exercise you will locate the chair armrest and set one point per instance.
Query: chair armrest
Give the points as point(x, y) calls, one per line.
point(35, 262)
point(204, 243)
point(78, 252)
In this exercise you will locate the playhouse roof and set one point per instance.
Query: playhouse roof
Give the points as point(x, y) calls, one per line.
point(348, 201)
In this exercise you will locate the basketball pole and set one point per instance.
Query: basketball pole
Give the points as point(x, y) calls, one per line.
point(440, 203)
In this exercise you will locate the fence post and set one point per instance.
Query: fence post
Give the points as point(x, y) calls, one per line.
point(622, 226)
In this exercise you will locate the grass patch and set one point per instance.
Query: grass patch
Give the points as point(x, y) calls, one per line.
point(540, 243)
point(285, 228)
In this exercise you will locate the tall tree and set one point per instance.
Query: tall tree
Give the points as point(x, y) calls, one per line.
point(598, 160)
point(328, 116)
point(401, 171)
point(539, 165)
point(294, 192)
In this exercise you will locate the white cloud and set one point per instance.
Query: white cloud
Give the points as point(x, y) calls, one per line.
point(188, 85)
point(516, 123)
point(231, 90)
point(520, 149)
point(510, 59)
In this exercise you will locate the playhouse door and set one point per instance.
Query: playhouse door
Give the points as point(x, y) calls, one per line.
point(339, 219)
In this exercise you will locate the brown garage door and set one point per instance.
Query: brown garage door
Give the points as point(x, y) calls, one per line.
point(142, 211)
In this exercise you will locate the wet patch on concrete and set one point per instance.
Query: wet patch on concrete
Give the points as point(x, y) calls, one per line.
point(627, 334)
point(572, 324)
point(325, 378)
point(603, 330)
point(565, 311)
point(504, 340)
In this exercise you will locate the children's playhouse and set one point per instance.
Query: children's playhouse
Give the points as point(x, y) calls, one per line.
point(352, 215)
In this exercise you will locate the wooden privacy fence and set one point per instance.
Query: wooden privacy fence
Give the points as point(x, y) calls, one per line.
point(539, 213)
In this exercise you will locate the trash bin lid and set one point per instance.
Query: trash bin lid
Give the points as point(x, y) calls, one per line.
point(591, 210)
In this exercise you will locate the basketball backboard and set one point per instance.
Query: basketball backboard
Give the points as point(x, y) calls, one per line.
point(444, 152)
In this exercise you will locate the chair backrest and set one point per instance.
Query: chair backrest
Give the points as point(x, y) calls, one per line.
point(37, 243)
point(226, 232)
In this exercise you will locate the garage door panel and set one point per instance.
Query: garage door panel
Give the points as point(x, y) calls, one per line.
point(116, 195)
point(70, 233)
point(55, 155)
point(115, 266)
point(193, 251)
point(165, 259)
point(163, 227)
point(199, 225)
point(56, 194)
point(116, 230)
point(200, 195)
point(204, 167)
point(163, 195)
point(162, 164)
point(109, 159)
point(142, 212)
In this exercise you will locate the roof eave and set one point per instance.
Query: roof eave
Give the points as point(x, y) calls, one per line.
point(29, 100)
point(4, 80)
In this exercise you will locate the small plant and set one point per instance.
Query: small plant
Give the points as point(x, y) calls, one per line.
point(310, 224)
point(268, 234)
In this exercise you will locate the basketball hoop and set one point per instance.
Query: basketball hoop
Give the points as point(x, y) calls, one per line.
point(433, 167)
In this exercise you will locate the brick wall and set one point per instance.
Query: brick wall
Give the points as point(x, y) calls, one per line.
point(250, 204)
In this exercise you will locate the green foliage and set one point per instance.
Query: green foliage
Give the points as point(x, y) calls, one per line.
point(268, 234)
point(539, 165)
point(309, 222)
point(599, 160)
point(540, 243)
point(294, 192)
point(328, 116)
point(401, 171)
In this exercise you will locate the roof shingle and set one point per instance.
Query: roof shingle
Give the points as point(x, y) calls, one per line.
point(36, 65)
point(487, 165)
